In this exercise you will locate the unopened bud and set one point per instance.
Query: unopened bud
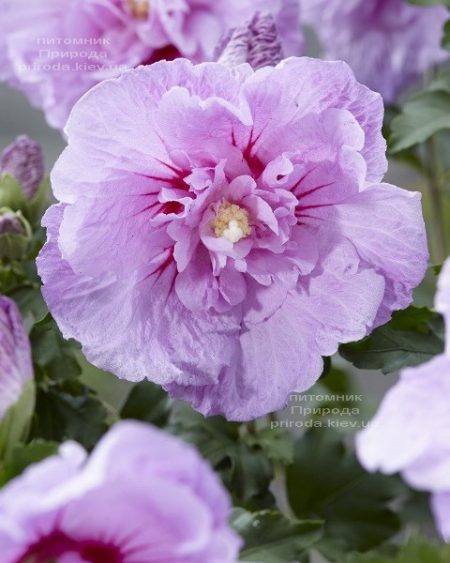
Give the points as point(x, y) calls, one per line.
point(15, 234)
point(256, 43)
point(23, 159)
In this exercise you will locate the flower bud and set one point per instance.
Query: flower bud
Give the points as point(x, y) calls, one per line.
point(16, 377)
point(15, 234)
point(256, 43)
point(23, 159)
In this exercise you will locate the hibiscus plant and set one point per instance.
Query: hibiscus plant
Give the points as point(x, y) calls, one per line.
point(243, 245)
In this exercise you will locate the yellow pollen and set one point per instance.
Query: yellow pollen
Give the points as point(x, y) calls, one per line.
point(139, 8)
point(231, 222)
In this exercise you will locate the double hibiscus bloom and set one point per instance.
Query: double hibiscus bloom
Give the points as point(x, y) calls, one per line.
point(227, 228)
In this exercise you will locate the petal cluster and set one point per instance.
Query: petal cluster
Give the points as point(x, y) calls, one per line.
point(388, 43)
point(220, 230)
point(142, 495)
point(15, 355)
point(411, 431)
point(55, 51)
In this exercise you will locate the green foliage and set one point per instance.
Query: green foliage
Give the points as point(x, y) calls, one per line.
point(12, 197)
point(242, 460)
point(271, 537)
point(14, 245)
point(416, 550)
point(65, 407)
point(424, 115)
point(147, 402)
point(30, 302)
point(412, 337)
point(446, 38)
point(54, 358)
point(430, 2)
point(326, 482)
point(38, 204)
point(15, 424)
point(22, 456)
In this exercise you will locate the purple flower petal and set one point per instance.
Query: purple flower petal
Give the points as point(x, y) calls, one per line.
point(15, 355)
point(141, 496)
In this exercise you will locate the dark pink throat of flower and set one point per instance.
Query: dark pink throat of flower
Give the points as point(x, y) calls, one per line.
point(168, 53)
point(50, 548)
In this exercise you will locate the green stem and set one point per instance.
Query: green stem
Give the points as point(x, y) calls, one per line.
point(251, 427)
point(436, 191)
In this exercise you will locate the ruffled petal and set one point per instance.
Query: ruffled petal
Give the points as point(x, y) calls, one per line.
point(121, 322)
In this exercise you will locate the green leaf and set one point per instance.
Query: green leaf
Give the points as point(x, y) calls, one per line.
point(271, 537)
point(11, 195)
point(65, 407)
point(423, 116)
point(446, 38)
point(147, 402)
point(326, 482)
point(38, 204)
point(69, 412)
point(243, 465)
point(412, 337)
point(53, 356)
point(277, 443)
point(430, 2)
point(30, 302)
point(416, 551)
point(23, 456)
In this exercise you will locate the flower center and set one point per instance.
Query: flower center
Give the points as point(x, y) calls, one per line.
point(139, 8)
point(231, 222)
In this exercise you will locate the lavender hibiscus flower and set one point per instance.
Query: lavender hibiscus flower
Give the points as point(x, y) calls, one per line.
point(55, 51)
point(388, 43)
point(411, 430)
point(224, 229)
point(141, 496)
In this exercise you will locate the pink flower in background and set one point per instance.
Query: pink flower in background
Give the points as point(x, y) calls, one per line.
point(388, 43)
point(141, 496)
point(15, 355)
point(23, 159)
point(411, 430)
point(55, 51)
point(220, 230)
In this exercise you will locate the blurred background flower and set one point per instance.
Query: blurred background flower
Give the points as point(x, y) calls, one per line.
point(54, 52)
point(411, 431)
point(388, 43)
point(142, 495)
